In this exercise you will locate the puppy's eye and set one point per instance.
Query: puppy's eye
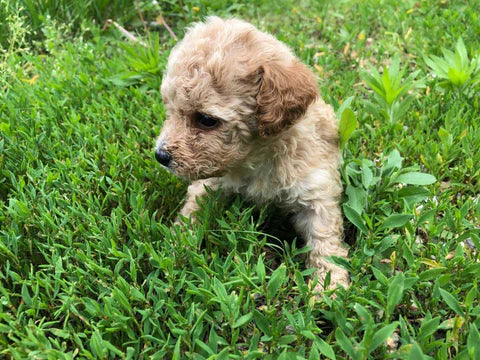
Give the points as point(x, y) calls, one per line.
point(205, 122)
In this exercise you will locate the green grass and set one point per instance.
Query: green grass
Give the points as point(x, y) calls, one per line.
point(90, 266)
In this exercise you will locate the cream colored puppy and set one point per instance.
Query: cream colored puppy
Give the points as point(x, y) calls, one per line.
point(245, 114)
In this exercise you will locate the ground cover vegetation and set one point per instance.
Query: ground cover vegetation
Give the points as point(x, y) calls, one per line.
point(90, 266)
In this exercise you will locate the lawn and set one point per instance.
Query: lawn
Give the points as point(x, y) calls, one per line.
point(90, 264)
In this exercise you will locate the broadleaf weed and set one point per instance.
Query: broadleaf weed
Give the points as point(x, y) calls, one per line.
point(455, 69)
point(391, 90)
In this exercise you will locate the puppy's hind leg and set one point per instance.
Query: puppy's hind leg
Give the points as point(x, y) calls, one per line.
point(321, 226)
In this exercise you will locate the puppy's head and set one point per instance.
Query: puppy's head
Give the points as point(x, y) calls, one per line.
point(228, 86)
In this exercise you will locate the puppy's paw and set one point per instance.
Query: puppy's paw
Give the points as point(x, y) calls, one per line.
point(338, 278)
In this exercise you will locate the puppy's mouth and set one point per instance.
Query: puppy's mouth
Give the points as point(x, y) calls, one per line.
point(170, 169)
point(188, 175)
point(180, 170)
point(167, 162)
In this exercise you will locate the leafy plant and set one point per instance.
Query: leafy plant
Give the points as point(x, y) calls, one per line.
point(91, 267)
point(144, 65)
point(14, 32)
point(455, 69)
point(391, 90)
point(367, 184)
point(348, 121)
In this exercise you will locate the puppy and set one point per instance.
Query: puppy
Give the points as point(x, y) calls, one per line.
point(244, 114)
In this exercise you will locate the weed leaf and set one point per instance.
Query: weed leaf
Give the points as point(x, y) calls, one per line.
point(276, 280)
point(324, 348)
point(354, 217)
point(415, 178)
point(345, 344)
point(473, 342)
point(396, 220)
point(348, 124)
point(382, 335)
point(416, 353)
point(242, 320)
point(452, 302)
point(395, 291)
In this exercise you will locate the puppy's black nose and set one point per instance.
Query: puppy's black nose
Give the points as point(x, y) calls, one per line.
point(163, 157)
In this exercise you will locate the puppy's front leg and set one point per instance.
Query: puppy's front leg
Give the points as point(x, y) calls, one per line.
point(321, 227)
point(197, 190)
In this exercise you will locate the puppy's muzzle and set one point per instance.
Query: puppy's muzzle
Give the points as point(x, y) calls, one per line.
point(163, 157)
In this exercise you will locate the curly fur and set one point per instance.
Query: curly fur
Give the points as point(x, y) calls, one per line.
point(277, 140)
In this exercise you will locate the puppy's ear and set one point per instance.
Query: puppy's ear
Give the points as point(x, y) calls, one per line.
point(285, 93)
